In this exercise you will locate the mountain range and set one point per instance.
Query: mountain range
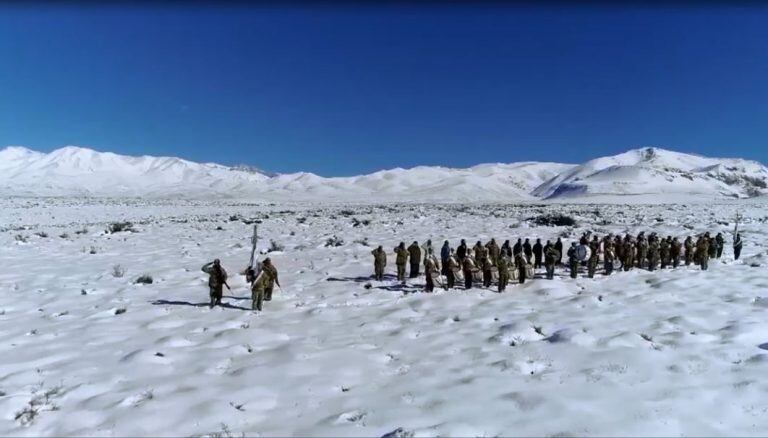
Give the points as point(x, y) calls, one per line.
point(645, 173)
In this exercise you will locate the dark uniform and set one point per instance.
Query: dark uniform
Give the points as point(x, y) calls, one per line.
point(720, 240)
point(538, 253)
point(737, 244)
point(573, 260)
point(414, 252)
point(559, 248)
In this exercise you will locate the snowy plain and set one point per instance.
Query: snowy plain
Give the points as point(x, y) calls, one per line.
point(85, 352)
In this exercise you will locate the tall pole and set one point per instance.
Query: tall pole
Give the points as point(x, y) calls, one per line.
point(254, 241)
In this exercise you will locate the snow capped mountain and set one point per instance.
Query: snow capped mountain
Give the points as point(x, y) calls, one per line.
point(75, 171)
point(84, 172)
point(655, 171)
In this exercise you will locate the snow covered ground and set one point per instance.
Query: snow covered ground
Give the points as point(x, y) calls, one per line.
point(86, 352)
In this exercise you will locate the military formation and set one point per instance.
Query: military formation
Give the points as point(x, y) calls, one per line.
point(486, 263)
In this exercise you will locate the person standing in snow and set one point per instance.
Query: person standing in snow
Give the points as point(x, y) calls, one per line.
point(506, 249)
point(469, 267)
point(379, 262)
point(594, 247)
point(493, 251)
point(521, 264)
point(675, 251)
point(261, 290)
point(702, 252)
point(217, 279)
point(486, 267)
point(528, 251)
point(445, 253)
point(481, 253)
point(400, 260)
point(720, 241)
point(430, 270)
point(689, 251)
point(538, 252)
point(450, 271)
point(551, 256)
point(609, 255)
point(427, 250)
point(518, 248)
point(559, 248)
point(414, 252)
point(461, 251)
point(737, 244)
point(642, 250)
point(573, 260)
point(503, 266)
point(664, 253)
point(711, 246)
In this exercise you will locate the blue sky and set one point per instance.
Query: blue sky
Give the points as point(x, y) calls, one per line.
point(344, 90)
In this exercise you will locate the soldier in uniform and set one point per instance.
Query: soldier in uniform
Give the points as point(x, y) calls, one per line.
point(400, 260)
point(609, 254)
point(629, 253)
point(445, 253)
point(665, 253)
point(430, 270)
point(379, 262)
point(450, 271)
point(518, 248)
point(594, 257)
point(461, 251)
point(538, 253)
point(559, 248)
point(506, 249)
point(642, 250)
point(528, 251)
point(486, 267)
point(493, 251)
point(702, 252)
point(690, 250)
point(711, 245)
point(414, 252)
point(427, 250)
point(653, 253)
point(675, 252)
point(503, 266)
point(573, 260)
point(737, 244)
point(261, 290)
point(217, 279)
point(551, 257)
point(481, 253)
point(720, 241)
point(618, 244)
point(468, 267)
point(520, 262)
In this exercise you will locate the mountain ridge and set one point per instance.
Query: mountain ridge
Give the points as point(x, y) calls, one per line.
point(78, 171)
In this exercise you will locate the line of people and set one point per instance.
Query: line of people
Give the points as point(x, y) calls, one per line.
point(488, 262)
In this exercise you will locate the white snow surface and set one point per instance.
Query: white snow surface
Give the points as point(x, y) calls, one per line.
point(75, 171)
point(87, 353)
